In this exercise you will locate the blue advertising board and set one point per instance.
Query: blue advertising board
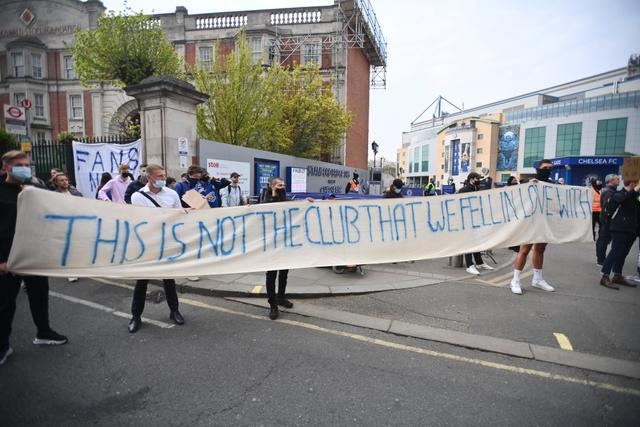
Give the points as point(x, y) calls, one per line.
point(264, 169)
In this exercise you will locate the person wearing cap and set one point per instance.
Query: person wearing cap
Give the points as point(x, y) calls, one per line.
point(117, 186)
point(473, 184)
point(395, 190)
point(232, 195)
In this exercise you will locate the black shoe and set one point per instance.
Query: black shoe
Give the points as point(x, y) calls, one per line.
point(606, 282)
point(177, 317)
point(134, 324)
point(50, 337)
point(273, 313)
point(284, 302)
point(621, 280)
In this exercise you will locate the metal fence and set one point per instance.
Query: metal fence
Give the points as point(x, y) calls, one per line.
point(46, 155)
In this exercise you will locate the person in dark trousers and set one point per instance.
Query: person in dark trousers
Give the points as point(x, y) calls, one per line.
point(155, 194)
point(596, 188)
point(16, 166)
point(473, 184)
point(136, 185)
point(395, 190)
point(623, 224)
point(277, 194)
point(604, 235)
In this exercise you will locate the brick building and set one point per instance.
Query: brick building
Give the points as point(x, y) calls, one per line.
point(344, 39)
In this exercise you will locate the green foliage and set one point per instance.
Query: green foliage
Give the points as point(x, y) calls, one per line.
point(315, 120)
point(124, 49)
point(245, 105)
point(291, 112)
point(65, 137)
point(7, 141)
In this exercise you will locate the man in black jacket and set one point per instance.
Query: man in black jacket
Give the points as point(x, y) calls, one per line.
point(473, 184)
point(16, 166)
point(137, 184)
point(604, 235)
point(623, 224)
point(395, 190)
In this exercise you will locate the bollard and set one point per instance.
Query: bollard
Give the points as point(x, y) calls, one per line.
point(455, 261)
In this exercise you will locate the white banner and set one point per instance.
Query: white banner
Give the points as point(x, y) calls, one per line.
point(58, 235)
point(92, 160)
point(224, 168)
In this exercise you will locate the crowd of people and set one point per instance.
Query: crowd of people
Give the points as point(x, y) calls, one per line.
point(616, 216)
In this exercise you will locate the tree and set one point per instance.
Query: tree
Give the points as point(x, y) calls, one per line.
point(316, 122)
point(291, 112)
point(124, 50)
point(245, 102)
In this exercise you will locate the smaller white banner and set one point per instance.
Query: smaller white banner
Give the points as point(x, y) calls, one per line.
point(92, 160)
point(224, 168)
point(298, 180)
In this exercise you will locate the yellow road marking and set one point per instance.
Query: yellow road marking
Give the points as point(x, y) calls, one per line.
point(564, 342)
point(499, 281)
point(501, 277)
point(256, 289)
point(418, 350)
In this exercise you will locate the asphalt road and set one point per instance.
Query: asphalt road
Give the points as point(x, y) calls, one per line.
point(230, 365)
point(594, 319)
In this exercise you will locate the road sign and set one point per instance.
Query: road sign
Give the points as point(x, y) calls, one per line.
point(15, 120)
point(26, 103)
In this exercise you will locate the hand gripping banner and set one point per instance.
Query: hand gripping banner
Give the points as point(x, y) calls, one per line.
point(57, 235)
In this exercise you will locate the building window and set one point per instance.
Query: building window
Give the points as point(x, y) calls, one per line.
point(478, 164)
point(479, 151)
point(611, 136)
point(36, 65)
point(416, 159)
point(533, 145)
point(568, 141)
point(76, 106)
point(311, 53)
point(69, 71)
point(505, 177)
point(425, 158)
point(17, 61)
point(205, 56)
point(17, 98)
point(39, 104)
point(256, 49)
point(480, 136)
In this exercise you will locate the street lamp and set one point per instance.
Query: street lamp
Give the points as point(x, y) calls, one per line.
point(374, 147)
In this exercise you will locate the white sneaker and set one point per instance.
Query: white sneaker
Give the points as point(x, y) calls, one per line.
point(72, 279)
point(193, 279)
point(515, 287)
point(542, 284)
point(473, 270)
point(635, 277)
point(486, 267)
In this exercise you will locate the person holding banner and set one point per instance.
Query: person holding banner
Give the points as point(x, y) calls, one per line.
point(473, 184)
point(117, 186)
point(155, 194)
point(395, 190)
point(543, 173)
point(16, 166)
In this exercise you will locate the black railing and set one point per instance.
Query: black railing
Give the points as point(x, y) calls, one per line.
point(46, 155)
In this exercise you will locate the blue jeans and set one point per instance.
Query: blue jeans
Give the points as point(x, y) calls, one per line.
point(620, 246)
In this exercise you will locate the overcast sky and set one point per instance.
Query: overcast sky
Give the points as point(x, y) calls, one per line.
point(471, 52)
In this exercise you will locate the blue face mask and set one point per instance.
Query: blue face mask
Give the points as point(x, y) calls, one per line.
point(160, 183)
point(397, 190)
point(21, 173)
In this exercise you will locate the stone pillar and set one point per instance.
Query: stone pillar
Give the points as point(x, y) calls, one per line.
point(167, 115)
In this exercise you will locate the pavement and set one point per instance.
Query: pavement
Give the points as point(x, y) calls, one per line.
point(320, 282)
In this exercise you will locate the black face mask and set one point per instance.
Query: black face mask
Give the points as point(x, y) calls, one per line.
point(598, 187)
point(281, 192)
point(543, 174)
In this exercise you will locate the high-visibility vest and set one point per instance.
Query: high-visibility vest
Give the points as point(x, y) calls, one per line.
point(355, 187)
point(595, 206)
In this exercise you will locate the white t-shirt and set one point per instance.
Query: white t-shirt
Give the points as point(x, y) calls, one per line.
point(166, 198)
